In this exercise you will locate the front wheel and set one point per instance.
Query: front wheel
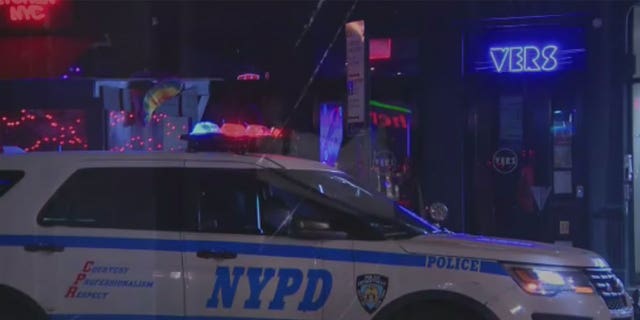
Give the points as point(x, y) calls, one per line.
point(14, 307)
point(438, 311)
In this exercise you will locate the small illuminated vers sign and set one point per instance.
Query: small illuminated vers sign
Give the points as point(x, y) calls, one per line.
point(528, 58)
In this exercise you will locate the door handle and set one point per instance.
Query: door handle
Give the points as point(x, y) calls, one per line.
point(209, 254)
point(44, 247)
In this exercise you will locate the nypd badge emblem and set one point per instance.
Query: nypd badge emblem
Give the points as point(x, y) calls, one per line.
point(371, 290)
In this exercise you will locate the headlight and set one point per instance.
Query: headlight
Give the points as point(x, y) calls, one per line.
point(549, 281)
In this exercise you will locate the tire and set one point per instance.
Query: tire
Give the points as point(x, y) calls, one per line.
point(437, 311)
point(16, 306)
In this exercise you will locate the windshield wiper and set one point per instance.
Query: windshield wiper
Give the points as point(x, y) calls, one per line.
point(442, 230)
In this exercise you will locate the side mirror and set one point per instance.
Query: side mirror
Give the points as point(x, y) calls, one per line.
point(316, 230)
point(437, 212)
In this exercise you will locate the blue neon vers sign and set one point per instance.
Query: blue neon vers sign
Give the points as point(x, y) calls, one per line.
point(527, 58)
point(525, 51)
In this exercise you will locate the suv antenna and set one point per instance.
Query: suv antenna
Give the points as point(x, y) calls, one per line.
point(312, 78)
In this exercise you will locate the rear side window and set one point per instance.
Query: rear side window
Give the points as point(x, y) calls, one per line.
point(119, 198)
point(8, 179)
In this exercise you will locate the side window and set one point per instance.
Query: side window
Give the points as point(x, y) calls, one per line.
point(282, 209)
point(222, 200)
point(8, 179)
point(121, 198)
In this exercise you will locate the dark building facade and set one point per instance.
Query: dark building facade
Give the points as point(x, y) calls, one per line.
point(525, 122)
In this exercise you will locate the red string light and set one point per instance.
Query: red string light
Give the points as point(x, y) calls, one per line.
point(124, 119)
point(36, 131)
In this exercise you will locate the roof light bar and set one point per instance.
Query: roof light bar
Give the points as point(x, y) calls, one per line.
point(232, 137)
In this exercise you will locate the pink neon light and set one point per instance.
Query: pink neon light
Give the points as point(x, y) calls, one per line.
point(385, 121)
point(380, 49)
point(27, 10)
point(248, 77)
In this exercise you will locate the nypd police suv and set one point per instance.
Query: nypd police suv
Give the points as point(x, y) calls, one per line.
point(206, 235)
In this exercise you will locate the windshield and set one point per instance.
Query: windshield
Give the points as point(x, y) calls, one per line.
point(387, 217)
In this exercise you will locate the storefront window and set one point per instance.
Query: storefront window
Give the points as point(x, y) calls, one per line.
point(391, 127)
point(562, 130)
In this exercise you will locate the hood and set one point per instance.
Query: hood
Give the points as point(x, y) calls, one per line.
point(499, 249)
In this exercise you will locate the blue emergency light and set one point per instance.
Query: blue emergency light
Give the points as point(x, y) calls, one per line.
point(205, 127)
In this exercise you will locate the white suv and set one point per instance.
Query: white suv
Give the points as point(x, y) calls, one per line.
point(97, 235)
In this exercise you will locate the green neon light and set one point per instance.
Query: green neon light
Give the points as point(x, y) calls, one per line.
point(381, 105)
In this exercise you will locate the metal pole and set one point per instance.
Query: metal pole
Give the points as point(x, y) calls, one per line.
point(627, 114)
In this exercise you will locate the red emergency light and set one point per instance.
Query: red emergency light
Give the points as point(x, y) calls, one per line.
point(257, 130)
point(233, 130)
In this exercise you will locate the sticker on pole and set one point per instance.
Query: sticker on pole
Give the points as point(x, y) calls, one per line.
point(505, 161)
point(540, 195)
point(356, 71)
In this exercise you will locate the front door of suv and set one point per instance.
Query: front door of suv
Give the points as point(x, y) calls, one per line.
point(108, 243)
point(294, 207)
point(236, 266)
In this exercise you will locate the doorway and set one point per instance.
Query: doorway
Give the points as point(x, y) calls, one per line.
point(522, 178)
